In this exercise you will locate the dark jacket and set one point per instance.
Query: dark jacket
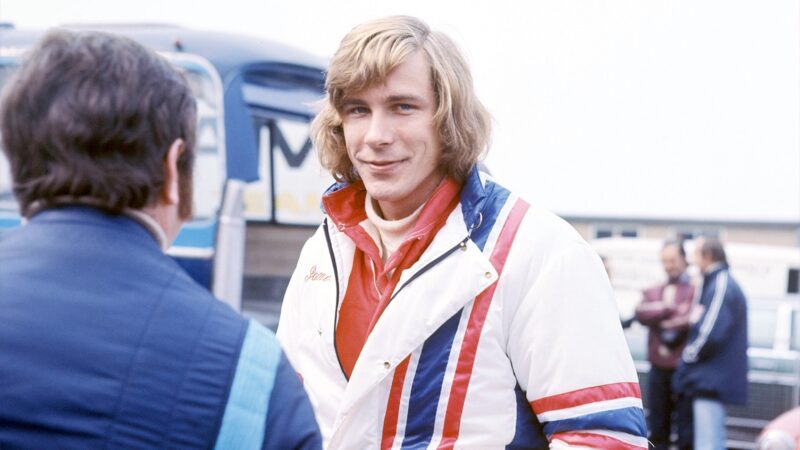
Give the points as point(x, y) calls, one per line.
point(106, 343)
point(714, 362)
point(668, 323)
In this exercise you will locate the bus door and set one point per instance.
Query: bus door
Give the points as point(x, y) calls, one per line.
point(194, 247)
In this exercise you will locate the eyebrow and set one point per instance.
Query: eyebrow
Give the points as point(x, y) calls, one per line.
point(406, 98)
point(353, 101)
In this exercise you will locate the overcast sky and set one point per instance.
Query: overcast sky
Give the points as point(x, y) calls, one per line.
point(665, 109)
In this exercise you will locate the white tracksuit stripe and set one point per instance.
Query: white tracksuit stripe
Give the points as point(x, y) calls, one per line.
point(693, 350)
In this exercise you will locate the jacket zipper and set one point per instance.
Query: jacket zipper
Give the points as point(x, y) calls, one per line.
point(427, 267)
point(462, 244)
point(430, 265)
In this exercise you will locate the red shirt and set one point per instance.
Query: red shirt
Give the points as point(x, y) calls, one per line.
point(372, 282)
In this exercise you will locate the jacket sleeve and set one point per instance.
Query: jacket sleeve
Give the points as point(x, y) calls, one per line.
point(651, 311)
point(266, 403)
point(679, 321)
point(570, 356)
point(717, 323)
point(290, 421)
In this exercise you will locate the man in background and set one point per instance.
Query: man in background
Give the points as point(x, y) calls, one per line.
point(713, 367)
point(105, 342)
point(665, 311)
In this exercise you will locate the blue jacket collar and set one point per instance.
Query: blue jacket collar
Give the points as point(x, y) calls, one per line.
point(715, 269)
point(88, 214)
point(473, 198)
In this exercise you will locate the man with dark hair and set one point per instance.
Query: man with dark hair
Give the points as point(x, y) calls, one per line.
point(713, 367)
point(665, 310)
point(434, 308)
point(106, 342)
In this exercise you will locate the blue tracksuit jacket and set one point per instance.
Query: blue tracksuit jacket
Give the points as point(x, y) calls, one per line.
point(106, 343)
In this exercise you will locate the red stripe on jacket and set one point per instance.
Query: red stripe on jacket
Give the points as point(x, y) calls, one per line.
point(585, 396)
point(477, 317)
point(393, 407)
point(591, 440)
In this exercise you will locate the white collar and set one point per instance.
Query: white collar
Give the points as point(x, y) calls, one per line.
point(390, 233)
point(150, 224)
point(712, 267)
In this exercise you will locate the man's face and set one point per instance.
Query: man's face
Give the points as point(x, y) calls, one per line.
point(673, 263)
point(392, 140)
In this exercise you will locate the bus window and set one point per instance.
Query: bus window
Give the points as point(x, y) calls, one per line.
point(762, 322)
point(6, 197)
point(209, 169)
point(299, 179)
point(793, 281)
point(7, 202)
point(291, 181)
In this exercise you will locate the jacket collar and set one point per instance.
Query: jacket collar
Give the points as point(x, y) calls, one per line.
point(149, 232)
point(473, 198)
point(150, 224)
point(344, 203)
point(714, 269)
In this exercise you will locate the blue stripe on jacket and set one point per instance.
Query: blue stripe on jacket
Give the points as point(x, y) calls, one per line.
point(426, 388)
point(626, 420)
point(244, 422)
point(528, 430)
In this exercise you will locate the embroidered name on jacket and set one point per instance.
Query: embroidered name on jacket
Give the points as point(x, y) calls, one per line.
point(313, 275)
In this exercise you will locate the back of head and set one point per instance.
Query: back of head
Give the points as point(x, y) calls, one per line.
point(367, 55)
point(712, 249)
point(89, 118)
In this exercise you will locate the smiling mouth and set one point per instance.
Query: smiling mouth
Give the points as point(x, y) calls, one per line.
point(382, 166)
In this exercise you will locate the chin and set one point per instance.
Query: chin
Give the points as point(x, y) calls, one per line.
point(387, 196)
point(382, 191)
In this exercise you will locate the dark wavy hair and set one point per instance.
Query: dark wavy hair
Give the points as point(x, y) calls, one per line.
point(90, 117)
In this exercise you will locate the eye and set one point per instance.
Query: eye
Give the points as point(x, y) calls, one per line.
point(356, 111)
point(404, 107)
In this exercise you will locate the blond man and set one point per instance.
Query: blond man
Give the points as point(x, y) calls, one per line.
point(433, 307)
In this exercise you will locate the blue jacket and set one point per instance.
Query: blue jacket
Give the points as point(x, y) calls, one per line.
point(106, 343)
point(714, 362)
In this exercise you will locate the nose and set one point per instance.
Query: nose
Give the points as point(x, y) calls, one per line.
point(380, 132)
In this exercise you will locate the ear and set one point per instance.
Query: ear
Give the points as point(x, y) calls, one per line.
point(170, 192)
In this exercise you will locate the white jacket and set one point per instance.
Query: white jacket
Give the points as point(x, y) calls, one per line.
point(471, 342)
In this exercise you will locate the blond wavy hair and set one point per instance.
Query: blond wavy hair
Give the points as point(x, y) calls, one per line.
point(366, 56)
